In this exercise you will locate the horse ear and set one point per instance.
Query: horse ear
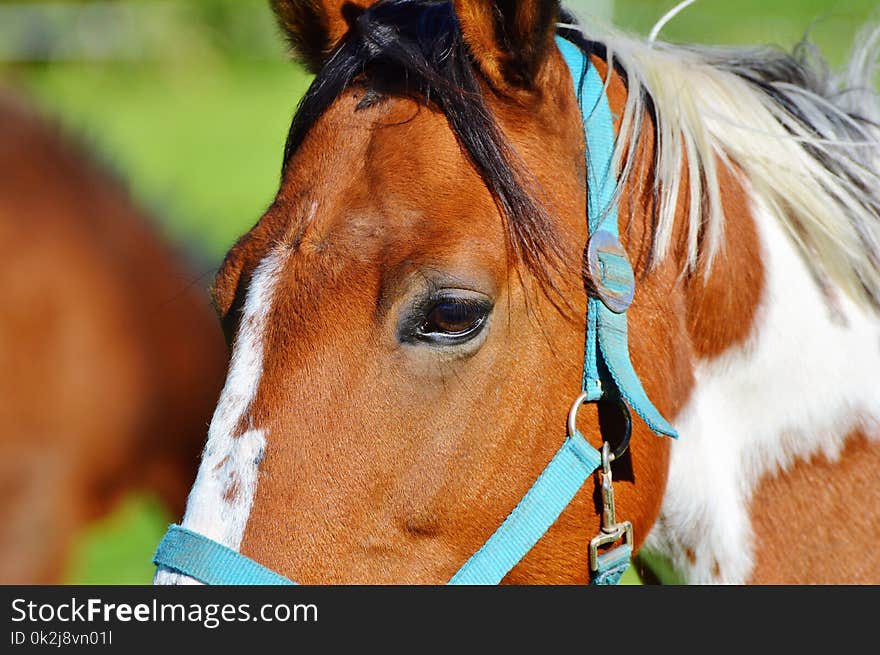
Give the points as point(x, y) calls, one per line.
point(315, 27)
point(510, 39)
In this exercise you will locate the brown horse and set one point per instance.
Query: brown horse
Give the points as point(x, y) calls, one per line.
point(110, 357)
point(408, 315)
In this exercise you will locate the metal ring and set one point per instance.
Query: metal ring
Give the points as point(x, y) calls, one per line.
point(623, 444)
point(573, 412)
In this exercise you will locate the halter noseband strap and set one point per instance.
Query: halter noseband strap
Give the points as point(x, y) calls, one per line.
point(608, 376)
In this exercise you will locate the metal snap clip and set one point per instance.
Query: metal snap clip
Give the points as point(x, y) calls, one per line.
point(612, 531)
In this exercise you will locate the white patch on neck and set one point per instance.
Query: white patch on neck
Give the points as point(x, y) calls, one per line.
point(231, 462)
point(804, 381)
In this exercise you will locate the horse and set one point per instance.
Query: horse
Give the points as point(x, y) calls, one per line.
point(111, 359)
point(408, 316)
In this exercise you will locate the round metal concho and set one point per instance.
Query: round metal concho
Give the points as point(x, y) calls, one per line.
point(613, 284)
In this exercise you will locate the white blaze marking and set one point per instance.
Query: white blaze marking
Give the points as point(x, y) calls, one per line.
point(229, 460)
point(803, 382)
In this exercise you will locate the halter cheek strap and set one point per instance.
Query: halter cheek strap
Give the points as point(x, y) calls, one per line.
point(608, 376)
point(606, 345)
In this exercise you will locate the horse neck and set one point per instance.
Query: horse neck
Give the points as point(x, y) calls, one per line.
point(761, 333)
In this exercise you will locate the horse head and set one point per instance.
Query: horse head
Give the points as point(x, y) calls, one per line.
point(407, 317)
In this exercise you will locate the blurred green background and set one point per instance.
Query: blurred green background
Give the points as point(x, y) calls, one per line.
point(191, 100)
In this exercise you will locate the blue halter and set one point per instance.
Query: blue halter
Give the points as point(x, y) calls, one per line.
point(608, 376)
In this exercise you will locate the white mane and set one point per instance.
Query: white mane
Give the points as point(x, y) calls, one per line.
point(806, 141)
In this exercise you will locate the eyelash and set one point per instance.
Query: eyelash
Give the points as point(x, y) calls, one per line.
point(413, 327)
point(469, 309)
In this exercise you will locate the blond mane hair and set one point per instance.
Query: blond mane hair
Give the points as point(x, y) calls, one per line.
point(804, 139)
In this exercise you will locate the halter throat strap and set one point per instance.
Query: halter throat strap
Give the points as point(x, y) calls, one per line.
point(608, 375)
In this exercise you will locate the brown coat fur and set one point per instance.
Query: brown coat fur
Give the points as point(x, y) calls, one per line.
point(110, 357)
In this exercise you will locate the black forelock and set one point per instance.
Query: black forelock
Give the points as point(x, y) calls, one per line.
point(415, 48)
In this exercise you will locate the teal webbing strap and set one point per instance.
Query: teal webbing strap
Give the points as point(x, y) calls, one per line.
point(207, 561)
point(552, 492)
point(612, 566)
point(606, 332)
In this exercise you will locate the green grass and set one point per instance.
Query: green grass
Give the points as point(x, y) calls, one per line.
point(118, 548)
point(778, 22)
point(201, 143)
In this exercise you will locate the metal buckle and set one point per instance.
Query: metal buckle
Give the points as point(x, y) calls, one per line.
point(612, 531)
point(610, 272)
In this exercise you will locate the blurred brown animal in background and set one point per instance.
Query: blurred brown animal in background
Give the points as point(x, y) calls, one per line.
point(111, 359)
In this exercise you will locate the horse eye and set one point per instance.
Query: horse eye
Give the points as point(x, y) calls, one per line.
point(453, 320)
